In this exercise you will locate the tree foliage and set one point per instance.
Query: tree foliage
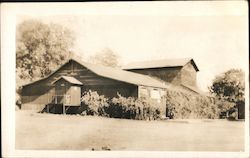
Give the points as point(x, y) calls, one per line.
point(40, 48)
point(106, 57)
point(229, 85)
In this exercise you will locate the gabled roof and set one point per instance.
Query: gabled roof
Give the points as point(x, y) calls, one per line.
point(122, 75)
point(160, 64)
point(116, 74)
point(69, 79)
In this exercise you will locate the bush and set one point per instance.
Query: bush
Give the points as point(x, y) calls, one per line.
point(94, 103)
point(179, 104)
point(132, 108)
point(120, 107)
point(224, 105)
point(184, 105)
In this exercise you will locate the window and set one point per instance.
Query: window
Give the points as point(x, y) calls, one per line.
point(155, 94)
point(143, 92)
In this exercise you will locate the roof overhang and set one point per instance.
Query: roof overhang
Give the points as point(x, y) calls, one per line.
point(194, 65)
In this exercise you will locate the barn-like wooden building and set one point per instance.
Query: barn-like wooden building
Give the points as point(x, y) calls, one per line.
point(66, 85)
point(179, 72)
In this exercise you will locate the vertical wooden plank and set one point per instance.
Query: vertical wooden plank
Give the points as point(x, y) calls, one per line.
point(63, 103)
point(63, 109)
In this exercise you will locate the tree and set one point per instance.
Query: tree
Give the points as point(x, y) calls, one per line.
point(40, 48)
point(106, 57)
point(229, 86)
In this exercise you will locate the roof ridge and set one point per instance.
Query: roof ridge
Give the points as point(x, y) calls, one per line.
point(174, 62)
point(187, 58)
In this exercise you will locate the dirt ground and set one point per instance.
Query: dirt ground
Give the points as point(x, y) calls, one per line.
point(72, 132)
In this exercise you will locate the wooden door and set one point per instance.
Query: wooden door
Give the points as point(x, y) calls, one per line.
point(61, 89)
point(75, 93)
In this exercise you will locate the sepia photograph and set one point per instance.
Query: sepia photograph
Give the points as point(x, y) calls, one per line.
point(125, 79)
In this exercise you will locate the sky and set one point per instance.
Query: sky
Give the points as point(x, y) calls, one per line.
point(213, 33)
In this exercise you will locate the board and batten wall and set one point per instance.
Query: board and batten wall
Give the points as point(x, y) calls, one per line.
point(188, 75)
point(174, 75)
point(171, 75)
point(35, 96)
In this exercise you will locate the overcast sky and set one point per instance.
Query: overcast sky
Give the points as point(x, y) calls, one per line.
point(214, 34)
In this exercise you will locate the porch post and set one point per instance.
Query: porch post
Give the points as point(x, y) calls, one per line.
point(63, 109)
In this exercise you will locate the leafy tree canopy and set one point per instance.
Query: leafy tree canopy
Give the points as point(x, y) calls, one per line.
point(40, 48)
point(106, 57)
point(229, 85)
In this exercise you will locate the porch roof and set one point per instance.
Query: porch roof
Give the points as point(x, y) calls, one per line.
point(69, 79)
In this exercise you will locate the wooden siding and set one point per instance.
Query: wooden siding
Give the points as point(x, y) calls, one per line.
point(188, 75)
point(43, 98)
point(175, 75)
point(82, 74)
point(90, 80)
point(171, 75)
point(62, 87)
point(34, 107)
point(35, 99)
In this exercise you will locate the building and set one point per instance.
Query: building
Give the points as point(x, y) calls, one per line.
point(179, 72)
point(66, 85)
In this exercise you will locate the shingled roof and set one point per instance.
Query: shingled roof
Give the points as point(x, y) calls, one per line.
point(116, 74)
point(160, 63)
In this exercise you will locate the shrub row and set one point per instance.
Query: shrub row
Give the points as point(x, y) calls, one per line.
point(185, 105)
point(131, 108)
point(181, 105)
point(120, 107)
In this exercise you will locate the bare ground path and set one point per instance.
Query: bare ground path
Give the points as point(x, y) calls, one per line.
point(71, 132)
